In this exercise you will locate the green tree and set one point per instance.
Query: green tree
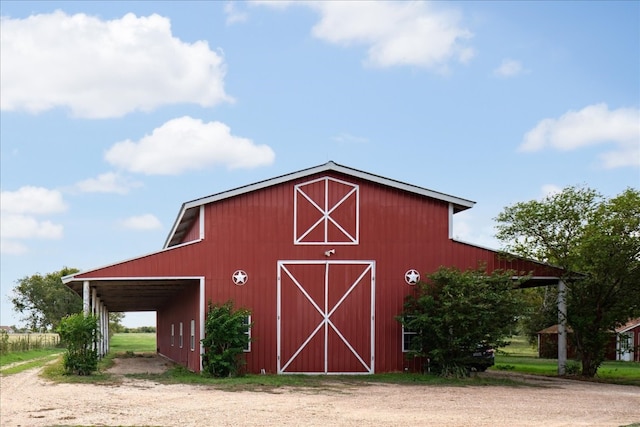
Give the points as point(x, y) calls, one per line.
point(115, 323)
point(44, 300)
point(597, 242)
point(455, 313)
point(80, 335)
point(539, 311)
point(225, 339)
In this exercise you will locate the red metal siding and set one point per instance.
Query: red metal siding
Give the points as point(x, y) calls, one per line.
point(194, 231)
point(183, 309)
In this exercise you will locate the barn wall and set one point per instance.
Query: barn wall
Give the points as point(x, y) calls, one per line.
point(194, 231)
point(182, 309)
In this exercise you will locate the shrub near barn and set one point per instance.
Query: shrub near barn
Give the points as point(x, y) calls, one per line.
point(226, 337)
point(80, 333)
point(459, 318)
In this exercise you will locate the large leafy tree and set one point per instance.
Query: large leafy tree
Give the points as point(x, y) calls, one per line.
point(456, 313)
point(45, 300)
point(597, 241)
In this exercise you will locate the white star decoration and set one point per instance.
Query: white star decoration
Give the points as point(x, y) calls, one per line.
point(240, 277)
point(412, 277)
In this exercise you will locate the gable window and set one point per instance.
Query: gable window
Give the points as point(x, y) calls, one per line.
point(192, 336)
point(173, 335)
point(326, 211)
point(247, 322)
point(180, 339)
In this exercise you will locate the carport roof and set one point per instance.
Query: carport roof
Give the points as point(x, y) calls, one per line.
point(125, 295)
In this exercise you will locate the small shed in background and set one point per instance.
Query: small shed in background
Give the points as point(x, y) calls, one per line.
point(622, 346)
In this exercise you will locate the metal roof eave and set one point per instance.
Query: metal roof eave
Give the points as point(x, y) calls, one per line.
point(73, 277)
point(459, 204)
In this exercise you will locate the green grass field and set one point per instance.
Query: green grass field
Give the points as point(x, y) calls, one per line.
point(136, 342)
point(522, 357)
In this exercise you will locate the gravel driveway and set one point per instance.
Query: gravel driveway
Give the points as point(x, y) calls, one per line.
point(28, 400)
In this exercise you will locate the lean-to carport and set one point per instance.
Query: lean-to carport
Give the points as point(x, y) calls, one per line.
point(102, 295)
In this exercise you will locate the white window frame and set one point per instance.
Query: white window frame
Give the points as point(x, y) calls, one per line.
point(406, 341)
point(173, 334)
point(192, 337)
point(181, 337)
point(247, 321)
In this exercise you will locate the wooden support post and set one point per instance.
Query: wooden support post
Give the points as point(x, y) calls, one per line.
point(94, 300)
point(100, 318)
point(562, 328)
point(85, 297)
point(106, 330)
point(104, 322)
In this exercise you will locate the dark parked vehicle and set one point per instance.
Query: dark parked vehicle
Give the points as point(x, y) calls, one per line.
point(482, 359)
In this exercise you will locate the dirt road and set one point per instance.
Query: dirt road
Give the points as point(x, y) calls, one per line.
point(28, 400)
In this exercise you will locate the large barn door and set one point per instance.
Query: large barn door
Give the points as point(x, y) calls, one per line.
point(326, 316)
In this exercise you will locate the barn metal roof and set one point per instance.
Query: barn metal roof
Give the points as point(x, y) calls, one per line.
point(189, 210)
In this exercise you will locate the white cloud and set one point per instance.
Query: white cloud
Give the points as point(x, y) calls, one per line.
point(396, 33)
point(16, 226)
point(142, 222)
point(185, 144)
point(11, 247)
point(32, 200)
point(100, 68)
point(509, 68)
point(593, 125)
point(233, 15)
point(109, 182)
point(18, 217)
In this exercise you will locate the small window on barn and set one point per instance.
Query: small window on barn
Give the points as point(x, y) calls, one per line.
point(247, 322)
point(408, 335)
point(173, 335)
point(192, 336)
point(180, 339)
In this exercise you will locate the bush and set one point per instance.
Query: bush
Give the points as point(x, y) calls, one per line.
point(572, 367)
point(225, 339)
point(80, 335)
point(457, 315)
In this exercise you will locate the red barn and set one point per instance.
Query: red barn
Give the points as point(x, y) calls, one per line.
point(323, 258)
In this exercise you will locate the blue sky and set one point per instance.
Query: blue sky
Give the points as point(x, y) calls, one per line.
point(115, 113)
